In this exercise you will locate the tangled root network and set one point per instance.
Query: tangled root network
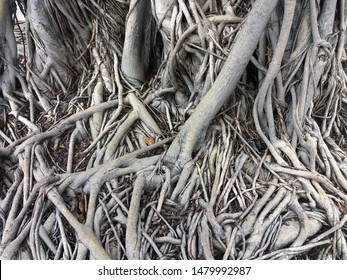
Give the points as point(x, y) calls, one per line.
point(173, 129)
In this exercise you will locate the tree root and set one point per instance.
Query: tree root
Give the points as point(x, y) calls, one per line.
point(223, 138)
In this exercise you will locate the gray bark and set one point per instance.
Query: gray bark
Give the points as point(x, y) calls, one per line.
point(138, 41)
point(195, 128)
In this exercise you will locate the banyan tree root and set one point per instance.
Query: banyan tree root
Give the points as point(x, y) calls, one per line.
point(173, 129)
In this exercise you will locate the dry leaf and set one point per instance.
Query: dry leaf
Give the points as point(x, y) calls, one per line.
point(148, 140)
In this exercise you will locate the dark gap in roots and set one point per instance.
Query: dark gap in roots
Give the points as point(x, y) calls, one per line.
point(70, 233)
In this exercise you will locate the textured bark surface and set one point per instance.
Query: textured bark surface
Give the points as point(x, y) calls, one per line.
point(173, 129)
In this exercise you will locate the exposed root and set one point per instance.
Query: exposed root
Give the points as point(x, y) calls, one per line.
point(224, 137)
